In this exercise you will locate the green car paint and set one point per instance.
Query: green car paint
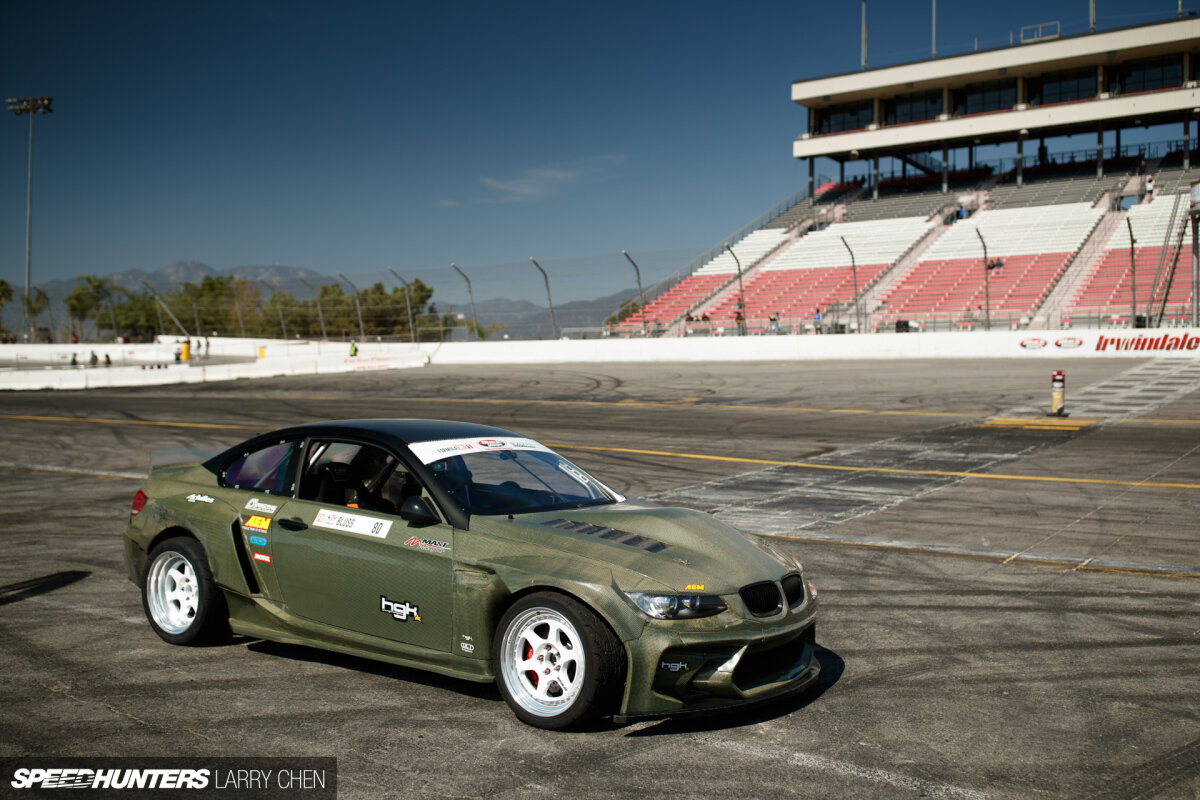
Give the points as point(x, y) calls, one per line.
point(430, 594)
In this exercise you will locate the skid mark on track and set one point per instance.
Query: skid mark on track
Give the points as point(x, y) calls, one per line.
point(844, 769)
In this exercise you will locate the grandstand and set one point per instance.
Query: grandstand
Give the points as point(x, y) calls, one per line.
point(907, 247)
point(1106, 293)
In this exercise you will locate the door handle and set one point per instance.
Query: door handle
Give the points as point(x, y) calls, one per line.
point(293, 524)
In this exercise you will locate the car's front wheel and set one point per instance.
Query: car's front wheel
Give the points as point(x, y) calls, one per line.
point(181, 601)
point(556, 662)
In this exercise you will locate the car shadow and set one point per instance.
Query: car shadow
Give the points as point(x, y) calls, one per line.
point(23, 590)
point(299, 652)
point(832, 667)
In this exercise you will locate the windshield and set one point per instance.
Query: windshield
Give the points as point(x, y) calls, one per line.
point(510, 476)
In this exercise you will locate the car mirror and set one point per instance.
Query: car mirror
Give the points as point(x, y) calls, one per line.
point(417, 511)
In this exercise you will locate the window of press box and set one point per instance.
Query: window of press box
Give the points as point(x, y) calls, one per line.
point(845, 117)
point(976, 98)
point(1061, 87)
point(1147, 74)
point(912, 107)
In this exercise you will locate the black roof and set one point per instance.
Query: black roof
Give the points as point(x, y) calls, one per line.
point(401, 431)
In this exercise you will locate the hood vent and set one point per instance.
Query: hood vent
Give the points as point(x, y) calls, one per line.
point(611, 534)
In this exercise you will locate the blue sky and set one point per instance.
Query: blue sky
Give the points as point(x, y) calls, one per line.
point(355, 136)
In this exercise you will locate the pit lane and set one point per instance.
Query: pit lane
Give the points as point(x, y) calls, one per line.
point(1033, 633)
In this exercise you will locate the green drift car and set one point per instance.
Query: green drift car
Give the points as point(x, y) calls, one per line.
point(473, 552)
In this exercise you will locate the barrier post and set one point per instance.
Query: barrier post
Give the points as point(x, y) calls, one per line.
point(1058, 395)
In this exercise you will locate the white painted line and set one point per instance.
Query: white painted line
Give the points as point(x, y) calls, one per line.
point(73, 470)
point(844, 769)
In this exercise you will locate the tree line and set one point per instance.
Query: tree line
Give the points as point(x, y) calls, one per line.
point(229, 306)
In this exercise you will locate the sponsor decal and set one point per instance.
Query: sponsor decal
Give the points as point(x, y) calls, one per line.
point(1069, 342)
point(265, 508)
point(199, 498)
point(68, 778)
point(428, 452)
point(428, 544)
point(1033, 343)
point(352, 523)
point(674, 666)
point(258, 523)
point(694, 587)
point(314, 778)
point(1142, 342)
point(260, 541)
point(467, 647)
point(399, 611)
point(574, 473)
point(263, 557)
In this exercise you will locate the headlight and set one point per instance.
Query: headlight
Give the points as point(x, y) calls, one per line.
point(677, 606)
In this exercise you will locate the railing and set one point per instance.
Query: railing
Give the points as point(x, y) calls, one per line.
point(680, 274)
point(1160, 273)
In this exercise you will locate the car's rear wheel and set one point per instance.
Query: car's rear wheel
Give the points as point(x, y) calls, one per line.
point(181, 601)
point(556, 662)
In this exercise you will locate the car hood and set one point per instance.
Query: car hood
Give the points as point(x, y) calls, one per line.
point(676, 548)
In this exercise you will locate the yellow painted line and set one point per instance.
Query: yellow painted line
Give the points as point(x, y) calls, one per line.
point(155, 423)
point(887, 470)
point(668, 454)
point(1032, 561)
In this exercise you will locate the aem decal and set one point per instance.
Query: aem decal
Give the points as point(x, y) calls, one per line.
point(258, 523)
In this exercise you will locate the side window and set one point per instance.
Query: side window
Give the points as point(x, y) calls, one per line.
point(356, 476)
point(271, 469)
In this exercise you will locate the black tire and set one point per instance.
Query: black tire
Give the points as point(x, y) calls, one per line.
point(557, 664)
point(179, 596)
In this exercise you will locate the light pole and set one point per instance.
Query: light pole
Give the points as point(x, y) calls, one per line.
point(553, 322)
point(320, 313)
point(742, 326)
point(237, 306)
point(30, 106)
point(987, 284)
point(1132, 277)
point(412, 330)
point(278, 305)
point(1195, 213)
point(164, 307)
point(854, 274)
point(641, 297)
point(471, 295)
point(357, 307)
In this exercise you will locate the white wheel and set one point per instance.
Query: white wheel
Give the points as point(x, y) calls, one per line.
point(556, 662)
point(543, 662)
point(172, 592)
point(181, 601)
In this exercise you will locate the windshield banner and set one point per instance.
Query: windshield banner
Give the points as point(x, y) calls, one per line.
point(429, 452)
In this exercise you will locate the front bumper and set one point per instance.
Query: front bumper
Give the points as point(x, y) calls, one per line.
point(674, 672)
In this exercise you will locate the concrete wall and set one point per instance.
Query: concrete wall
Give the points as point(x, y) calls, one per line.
point(139, 365)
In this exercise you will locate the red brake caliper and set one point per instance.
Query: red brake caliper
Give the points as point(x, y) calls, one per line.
point(529, 652)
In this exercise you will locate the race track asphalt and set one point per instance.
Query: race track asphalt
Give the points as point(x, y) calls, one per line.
point(1008, 602)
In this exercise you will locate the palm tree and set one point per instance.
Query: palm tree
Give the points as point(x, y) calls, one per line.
point(6, 294)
